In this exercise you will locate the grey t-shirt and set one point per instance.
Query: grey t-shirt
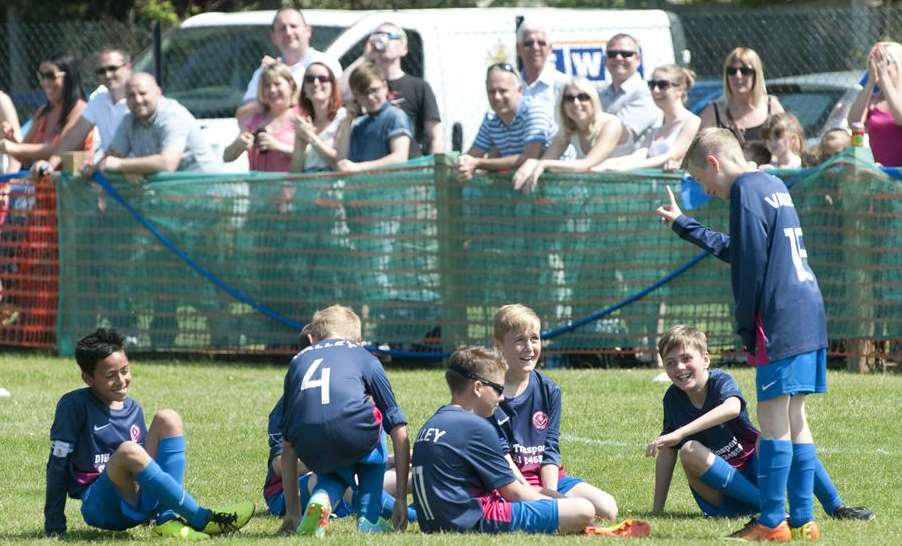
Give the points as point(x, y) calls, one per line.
point(172, 127)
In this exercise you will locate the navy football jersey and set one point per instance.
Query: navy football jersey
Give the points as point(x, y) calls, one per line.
point(530, 426)
point(336, 397)
point(457, 459)
point(734, 441)
point(84, 434)
point(773, 285)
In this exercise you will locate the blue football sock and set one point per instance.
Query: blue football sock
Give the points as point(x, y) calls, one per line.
point(722, 477)
point(171, 458)
point(369, 491)
point(774, 461)
point(824, 489)
point(801, 484)
point(388, 506)
point(170, 495)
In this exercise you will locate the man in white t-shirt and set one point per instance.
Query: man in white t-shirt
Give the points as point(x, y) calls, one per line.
point(104, 111)
point(291, 36)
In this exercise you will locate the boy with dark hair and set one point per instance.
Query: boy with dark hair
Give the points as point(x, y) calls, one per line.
point(773, 286)
point(461, 479)
point(336, 399)
point(124, 473)
point(707, 426)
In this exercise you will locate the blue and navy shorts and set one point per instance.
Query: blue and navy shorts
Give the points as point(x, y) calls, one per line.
point(567, 482)
point(102, 506)
point(731, 507)
point(502, 516)
point(804, 373)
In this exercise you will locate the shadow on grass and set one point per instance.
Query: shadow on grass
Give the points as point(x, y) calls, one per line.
point(645, 514)
point(80, 534)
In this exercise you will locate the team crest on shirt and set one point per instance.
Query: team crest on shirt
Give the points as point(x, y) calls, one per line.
point(135, 433)
point(540, 420)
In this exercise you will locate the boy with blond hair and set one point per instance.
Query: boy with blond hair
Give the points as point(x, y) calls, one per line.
point(706, 425)
point(336, 399)
point(461, 480)
point(529, 418)
point(773, 286)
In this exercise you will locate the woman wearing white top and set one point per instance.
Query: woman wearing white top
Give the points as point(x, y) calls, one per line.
point(666, 146)
point(594, 135)
point(316, 135)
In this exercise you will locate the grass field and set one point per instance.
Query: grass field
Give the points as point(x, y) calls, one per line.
point(609, 415)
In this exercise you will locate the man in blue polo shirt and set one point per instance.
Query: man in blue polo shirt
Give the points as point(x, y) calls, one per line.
point(515, 130)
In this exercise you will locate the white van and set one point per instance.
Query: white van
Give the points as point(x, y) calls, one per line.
point(209, 58)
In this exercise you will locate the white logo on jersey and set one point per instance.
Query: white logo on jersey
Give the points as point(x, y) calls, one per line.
point(97, 429)
point(779, 199)
point(60, 448)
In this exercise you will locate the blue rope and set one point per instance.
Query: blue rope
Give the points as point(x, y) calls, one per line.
point(434, 355)
point(12, 176)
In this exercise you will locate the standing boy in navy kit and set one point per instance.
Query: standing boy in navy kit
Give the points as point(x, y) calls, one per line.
point(336, 398)
point(124, 474)
point(780, 317)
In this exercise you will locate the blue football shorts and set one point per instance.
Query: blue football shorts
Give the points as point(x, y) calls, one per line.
point(804, 373)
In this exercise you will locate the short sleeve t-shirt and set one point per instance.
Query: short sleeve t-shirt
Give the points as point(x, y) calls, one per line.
point(532, 123)
point(415, 97)
point(106, 116)
point(734, 441)
point(297, 70)
point(336, 398)
point(371, 134)
point(457, 460)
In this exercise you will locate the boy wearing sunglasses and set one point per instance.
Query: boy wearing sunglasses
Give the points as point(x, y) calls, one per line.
point(627, 97)
point(528, 420)
point(337, 399)
point(460, 478)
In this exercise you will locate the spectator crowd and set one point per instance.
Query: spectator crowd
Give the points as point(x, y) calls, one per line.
point(303, 113)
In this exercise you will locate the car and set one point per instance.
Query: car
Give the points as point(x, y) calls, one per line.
point(821, 100)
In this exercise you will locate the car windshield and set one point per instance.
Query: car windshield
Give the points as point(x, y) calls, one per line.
point(207, 69)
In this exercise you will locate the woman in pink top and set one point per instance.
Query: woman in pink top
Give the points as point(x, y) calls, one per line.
point(268, 136)
point(879, 104)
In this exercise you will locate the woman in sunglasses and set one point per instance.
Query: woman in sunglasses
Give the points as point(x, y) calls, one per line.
point(316, 133)
point(268, 135)
point(879, 104)
point(592, 133)
point(745, 105)
point(60, 79)
point(666, 146)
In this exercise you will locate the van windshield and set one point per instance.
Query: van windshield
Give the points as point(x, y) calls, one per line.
point(207, 69)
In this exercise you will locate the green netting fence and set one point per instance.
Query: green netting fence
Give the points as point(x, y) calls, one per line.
point(426, 260)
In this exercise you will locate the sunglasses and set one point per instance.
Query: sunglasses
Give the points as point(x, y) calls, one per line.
point(507, 67)
point(535, 43)
point(317, 78)
point(613, 53)
point(733, 70)
point(387, 34)
point(102, 70)
point(663, 85)
point(497, 387)
point(581, 97)
point(47, 76)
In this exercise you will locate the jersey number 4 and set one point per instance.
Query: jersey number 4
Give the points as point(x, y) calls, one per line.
point(322, 383)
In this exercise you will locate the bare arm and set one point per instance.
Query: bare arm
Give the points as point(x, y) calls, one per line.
point(726, 411)
point(516, 491)
point(400, 151)
point(292, 517)
point(611, 134)
point(675, 154)
point(436, 132)
point(401, 446)
point(708, 117)
point(663, 475)
point(166, 161)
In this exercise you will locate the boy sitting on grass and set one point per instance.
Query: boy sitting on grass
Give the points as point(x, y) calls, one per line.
point(125, 475)
point(336, 399)
point(529, 417)
point(707, 425)
point(780, 317)
point(461, 480)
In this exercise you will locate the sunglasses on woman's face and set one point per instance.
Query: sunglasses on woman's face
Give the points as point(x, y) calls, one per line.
point(581, 97)
point(745, 70)
point(49, 76)
point(663, 85)
point(316, 78)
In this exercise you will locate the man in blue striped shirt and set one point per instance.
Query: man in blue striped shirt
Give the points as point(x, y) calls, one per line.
point(515, 130)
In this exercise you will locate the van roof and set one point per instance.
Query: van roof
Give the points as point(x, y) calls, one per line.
point(264, 17)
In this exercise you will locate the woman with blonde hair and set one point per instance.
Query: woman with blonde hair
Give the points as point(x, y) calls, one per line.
point(746, 104)
point(268, 135)
point(593, 134)
point(665, 147)
point(879, 104)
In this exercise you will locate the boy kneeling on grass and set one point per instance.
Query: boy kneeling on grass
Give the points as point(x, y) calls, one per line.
point(707, 425)
point(125, 475)
point(461, 480)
